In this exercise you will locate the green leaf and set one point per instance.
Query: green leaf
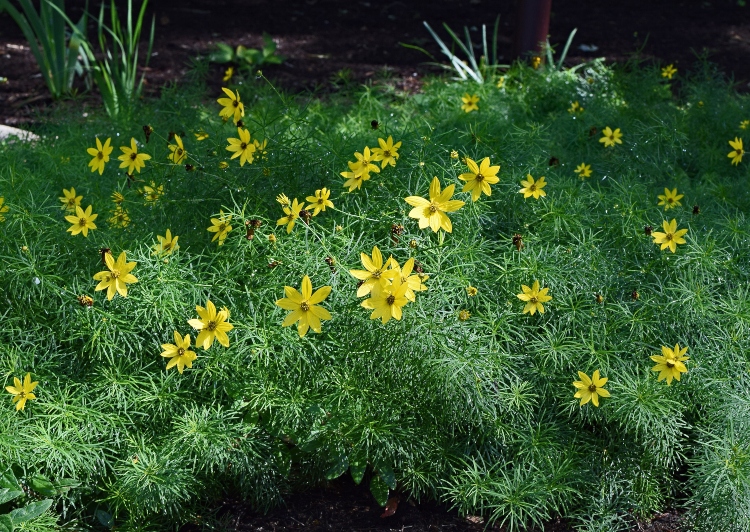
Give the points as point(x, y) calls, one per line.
point(388, 476)
point(30, 511)
point(357, 469)
point(104, 518)
point(63, 485)
point(223, 54)
point(6, 523)
point(8, 495)
point(43, 486)
point(8, 480)
point(379, 490)
point(338, 468)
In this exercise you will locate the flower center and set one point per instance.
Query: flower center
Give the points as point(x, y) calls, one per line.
point(235, 103)
point(22, 394)
point(479, 177)
point(376, 274)
point(668, 237)
point(592, 388)
point(71, 202)
point(670, 200)
point(304, 307)
point(133, 156)
point(432, 207)
point(386, 153)
point(670, 363)
point(533, 300)
point(222, 227)
point(100, 155)
point(115, 274)
point(211, 326)
point(167, 245)
point(243, 145)
point(180, 151)
point(391, 299)
point(532, 187)
point(180, 352)
point(82, 222)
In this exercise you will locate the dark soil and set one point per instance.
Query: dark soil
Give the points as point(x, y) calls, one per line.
point(359, 40)
point(321, 38)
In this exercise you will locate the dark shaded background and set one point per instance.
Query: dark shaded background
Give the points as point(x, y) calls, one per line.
point(323, 37)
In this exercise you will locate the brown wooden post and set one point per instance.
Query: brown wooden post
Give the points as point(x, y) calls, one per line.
point(532, 27)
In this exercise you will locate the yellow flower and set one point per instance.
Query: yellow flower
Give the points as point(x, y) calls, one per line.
point(100, 155)
point(221, 227)
point(283, 200)
point(575, 107)
point(200, 135)
point(670, 237)
point(22, 392)
point(272, 238)
point(82, 221)
point(179, 353)
point(590, 389)
point(292, 213)
point(535, 62)
point(479, 178)
point(610, 137)
point(670, 363)
point(464, 315)
point(364, 163)
point(304, 306)
point(670, 199)
point(744, 124)
point(432, 213)
point(668, 71)
point(386, 301)
point(242, 147)
point(500, 82)
point(177, 151)
point(533, 188)
point(471, 291)
point(116, 277)
point(232, 107)
point(223, 165)
point(69, 200)
point(470, 103)
point(131, 159)
point(120, 217)
point(454, 154)
point(583, 170)
point(534, 298)
point(117, 197)
point(375, 272)
point(414, 283)
point(387, 153)
point(228, 73)
point(212, 325)
point(737, 151)
point(167, 243)
point(152, 193)
point(3, 208)
point(319, 201)
point(260, 148)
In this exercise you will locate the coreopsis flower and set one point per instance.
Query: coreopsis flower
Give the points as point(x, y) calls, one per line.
point(120, 217)
point(3, 208)
point(201, 135)
point(232, 107)
point(292, 214)
point(670, 363)
point(387, 153)
point(212, 325)
point(454, 154)
point(353, 179)
point(179, 353)
point(470, 103)
point(575, 108)
point(261, 148)
point(177, 151)
point(167, 243)
point(242, 147)
point(432, 213)
point(100, 155)
point(364, 163)
point(744, 124)
point(69, 200)
point(583, 170)
point(221, 227)
point(590, 389)
point(116, 277)
point(375, 273)
point(152, 192)
point(670, 237)
point(228, 73)
point(533, 188)
point(305, 311)
point(386, 300)
point(610, 138)
point(668, 71)
point(464, 315)
point(479, 178)
point(414, 282)
point(471, 291)
point(500, 82)
point(21, 392)
point(117, 197)
point(670, 199)
point(131, 159)
point(534, 298)
point(737, 151)
point(82, 221)
point(283, 200)
point(319, 201)
point(536, 61)
point(223, 165)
